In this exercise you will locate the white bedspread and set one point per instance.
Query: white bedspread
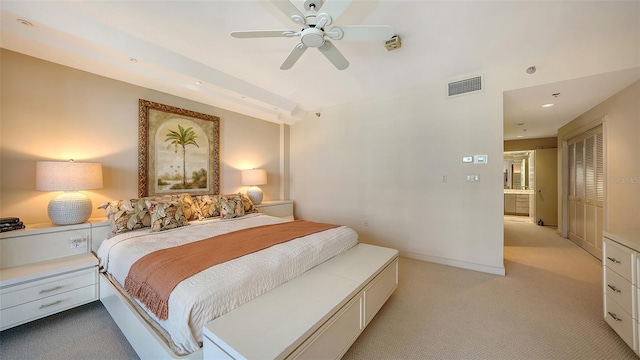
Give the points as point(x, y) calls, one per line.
point(217, 290)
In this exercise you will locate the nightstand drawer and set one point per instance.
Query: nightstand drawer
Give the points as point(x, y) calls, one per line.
point(39, 289)
point(49, 305)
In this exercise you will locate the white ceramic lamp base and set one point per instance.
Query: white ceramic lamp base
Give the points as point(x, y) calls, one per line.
point(255, 194)
point(69, 208)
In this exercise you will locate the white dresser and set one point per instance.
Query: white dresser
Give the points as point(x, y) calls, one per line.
point(45, 269)
point(621, 273)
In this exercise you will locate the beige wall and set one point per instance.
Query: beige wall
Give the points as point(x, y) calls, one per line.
point(52, 112)
point(621, 115)
point(377, 164)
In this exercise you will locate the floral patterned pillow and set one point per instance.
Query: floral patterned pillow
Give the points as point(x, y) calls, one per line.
point(166, 214)
point(231, 206)
point(249, 208)
point(127, 215)
point(190, 208)
point(209, 205)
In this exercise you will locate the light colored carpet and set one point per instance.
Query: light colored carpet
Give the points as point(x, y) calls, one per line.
point(549, 306)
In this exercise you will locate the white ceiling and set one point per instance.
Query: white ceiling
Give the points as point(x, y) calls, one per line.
point(177, 43)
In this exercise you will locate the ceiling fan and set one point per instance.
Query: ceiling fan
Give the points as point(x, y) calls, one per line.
point(319, 13)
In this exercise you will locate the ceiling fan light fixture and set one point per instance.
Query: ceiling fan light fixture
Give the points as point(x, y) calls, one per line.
point(312, 37)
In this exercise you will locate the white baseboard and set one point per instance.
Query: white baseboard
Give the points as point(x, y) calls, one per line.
point(456, 263)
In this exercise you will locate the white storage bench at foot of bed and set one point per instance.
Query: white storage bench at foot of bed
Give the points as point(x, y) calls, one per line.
point(319, 314)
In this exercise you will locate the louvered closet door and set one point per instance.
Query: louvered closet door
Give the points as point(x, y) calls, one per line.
point(586, 190)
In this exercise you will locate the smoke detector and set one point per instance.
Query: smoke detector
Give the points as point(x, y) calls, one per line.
point(393, 43)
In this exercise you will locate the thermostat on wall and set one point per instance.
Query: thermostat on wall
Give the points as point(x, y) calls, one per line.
point(480, 159)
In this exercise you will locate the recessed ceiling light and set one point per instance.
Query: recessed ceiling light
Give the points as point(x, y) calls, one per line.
point(199, 82)
point(520, 124)
point(520, 136)
point(133, 60)
point(531, 70)
point(547, 105)
point(25, 22)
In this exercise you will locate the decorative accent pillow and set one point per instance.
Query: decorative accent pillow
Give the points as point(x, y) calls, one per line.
point(166, 214)
point(190, 208)
point(209, 205)
point(231, 206)
point(249, 208)
point(127, 215)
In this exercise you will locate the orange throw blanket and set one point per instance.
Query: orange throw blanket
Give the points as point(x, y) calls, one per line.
point(153, 277)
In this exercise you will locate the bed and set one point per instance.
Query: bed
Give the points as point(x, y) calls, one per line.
point(213, 293)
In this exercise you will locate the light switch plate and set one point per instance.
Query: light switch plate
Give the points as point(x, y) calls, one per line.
point(467, 159)
point(480, 159)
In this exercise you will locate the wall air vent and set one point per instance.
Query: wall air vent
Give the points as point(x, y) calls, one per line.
point(465, 86)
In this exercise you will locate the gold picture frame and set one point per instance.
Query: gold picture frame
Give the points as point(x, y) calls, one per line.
point(178, 151)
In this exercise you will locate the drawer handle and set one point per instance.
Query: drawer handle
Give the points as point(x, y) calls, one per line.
point(615, 261)
point(615, 289)
point(614, 316)
point(56, 303)
point(50, 290)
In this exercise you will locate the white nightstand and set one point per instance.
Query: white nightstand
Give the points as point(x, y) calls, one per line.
point(45, 269)
point(279, 208)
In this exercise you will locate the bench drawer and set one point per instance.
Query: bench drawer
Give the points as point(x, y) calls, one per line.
point(333, 339)
point(379, 290)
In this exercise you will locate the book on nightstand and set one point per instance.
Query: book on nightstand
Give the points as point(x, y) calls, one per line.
point(10, 223)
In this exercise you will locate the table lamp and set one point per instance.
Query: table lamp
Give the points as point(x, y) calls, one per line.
point(252, 178)
point(70, 207)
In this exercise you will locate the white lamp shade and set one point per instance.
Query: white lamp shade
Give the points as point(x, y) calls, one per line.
point(70, 207)
point(68, 176)
point(254, 177)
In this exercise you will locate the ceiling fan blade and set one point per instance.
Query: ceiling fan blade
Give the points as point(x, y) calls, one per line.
point(364, 32)
point(334, 8)
point(293, 56)
point(245, 34)
point(334, 55)
point(290, 10)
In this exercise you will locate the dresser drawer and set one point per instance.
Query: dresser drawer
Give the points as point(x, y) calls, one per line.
point(36, 309)
point(40, 289)
point(621, 321)
point(620, 290)
point(619, 259)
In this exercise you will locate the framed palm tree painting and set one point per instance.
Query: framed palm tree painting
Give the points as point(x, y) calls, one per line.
point(178, 151)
